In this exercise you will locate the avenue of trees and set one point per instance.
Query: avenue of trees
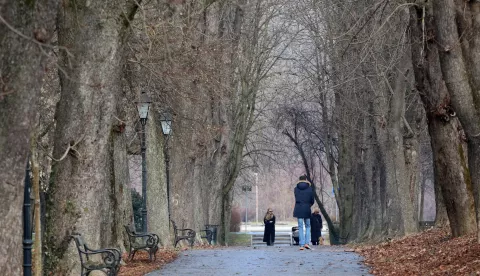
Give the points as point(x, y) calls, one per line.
point(372, 98)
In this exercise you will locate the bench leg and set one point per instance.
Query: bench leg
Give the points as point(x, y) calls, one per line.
point(132, 254)
point(153, 252)
point(113, 271)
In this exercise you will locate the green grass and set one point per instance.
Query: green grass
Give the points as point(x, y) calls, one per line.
point(239, 239)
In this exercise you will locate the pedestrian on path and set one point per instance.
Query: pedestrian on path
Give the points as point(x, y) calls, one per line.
point(269, 232)
point(303, 202)
point(316, 221)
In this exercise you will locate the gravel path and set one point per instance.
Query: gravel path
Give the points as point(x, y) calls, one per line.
point(262, 260)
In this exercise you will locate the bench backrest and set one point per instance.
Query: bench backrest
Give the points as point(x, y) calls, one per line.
point(81, 246)
point(174, 226)
point(130, 232)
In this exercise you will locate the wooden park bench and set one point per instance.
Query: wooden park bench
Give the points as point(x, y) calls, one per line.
point(183, 234)
point(106, 260)
point(141, 241)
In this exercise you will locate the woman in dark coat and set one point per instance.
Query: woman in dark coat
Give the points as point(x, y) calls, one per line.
point(269, 233)
point(316, 221)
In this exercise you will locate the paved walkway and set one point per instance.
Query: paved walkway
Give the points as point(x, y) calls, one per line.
point(262, 260)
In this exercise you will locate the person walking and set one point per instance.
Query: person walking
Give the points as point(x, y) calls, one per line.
point(303, 202)
point(316, 222)
point(269, 232)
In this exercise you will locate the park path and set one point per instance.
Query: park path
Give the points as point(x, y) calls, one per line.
point(263, 260)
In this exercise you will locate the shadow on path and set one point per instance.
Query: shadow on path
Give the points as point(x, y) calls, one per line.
point(262, 260)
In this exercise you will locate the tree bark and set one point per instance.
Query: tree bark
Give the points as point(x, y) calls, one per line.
point(450, 162)
point(121, 201)
point(157, 205)
point(24, 27)
point(80, 193)
point(457, 28)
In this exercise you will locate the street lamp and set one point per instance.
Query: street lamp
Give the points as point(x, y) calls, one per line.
point(166, 121)
point(143, 105)
point(246, 189)
point(256, 196)
point(27, 226)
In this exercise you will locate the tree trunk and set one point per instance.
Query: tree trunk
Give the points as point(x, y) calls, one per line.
point(24, 26)
point(413, 126)
point(157, 205)
point(457, 28)
point(344, 193)
point(448, 154)
point(121, 200)
point(80, 194)
point(390, 138)
point(441, 215)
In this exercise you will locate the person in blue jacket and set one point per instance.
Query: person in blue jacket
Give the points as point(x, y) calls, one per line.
point(303, 202)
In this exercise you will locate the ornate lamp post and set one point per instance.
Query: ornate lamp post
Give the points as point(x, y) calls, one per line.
point(246, 188)
point(143, 105)
point(166, 121)
point(27, 225)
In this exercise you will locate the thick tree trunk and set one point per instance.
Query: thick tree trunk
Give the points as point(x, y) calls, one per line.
point(396, 145)
point(390, 137)
point(121, 201)
point(24, 26)
point(361, 199)
point(448, 154)
point(80, 194)
point(344, 193)
point(157, 205)
point(371, 203)
point(456, 24)
point(441, 215)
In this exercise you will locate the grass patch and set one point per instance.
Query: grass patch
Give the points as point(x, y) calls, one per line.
point(239, 239)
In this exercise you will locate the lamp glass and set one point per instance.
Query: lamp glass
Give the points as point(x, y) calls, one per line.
point(166, 127)
point(143, 110)
point(166, 121)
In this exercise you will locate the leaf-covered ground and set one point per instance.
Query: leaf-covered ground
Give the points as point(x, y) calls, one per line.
point(141, 265)
point(432, 252)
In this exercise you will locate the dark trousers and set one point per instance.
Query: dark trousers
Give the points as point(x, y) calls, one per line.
point(269, 240)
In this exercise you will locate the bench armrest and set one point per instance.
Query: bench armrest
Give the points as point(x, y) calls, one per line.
point(110, 257)
point(140, 235)
point(188, 232)
point(115, 251)
point(151, 240)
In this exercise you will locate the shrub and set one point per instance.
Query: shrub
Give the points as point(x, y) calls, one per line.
point(137, 203)
point(235, 220)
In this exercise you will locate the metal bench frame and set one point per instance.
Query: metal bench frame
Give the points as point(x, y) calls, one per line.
point(110, 256)
point(149, 242)
point(208, 235)
point(183, 234)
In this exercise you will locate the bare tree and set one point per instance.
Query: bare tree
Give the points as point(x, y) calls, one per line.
point(79, 197)
point(26, 28)
point(456, 30)
point(446, 133)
